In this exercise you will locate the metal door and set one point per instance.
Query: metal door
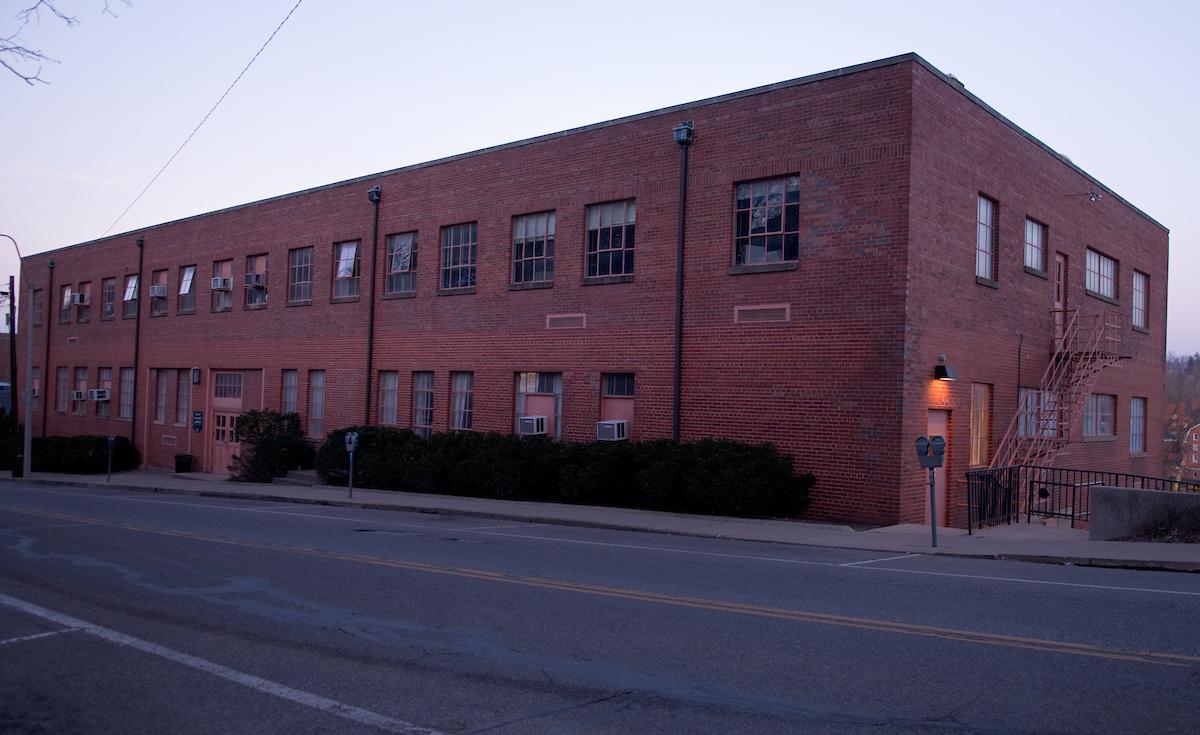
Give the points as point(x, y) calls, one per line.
point(939, 425)
point(225, 441)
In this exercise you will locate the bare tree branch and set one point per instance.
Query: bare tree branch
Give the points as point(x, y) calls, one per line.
point(18, 58)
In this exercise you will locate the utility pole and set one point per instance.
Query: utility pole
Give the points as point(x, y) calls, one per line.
point(16, 455)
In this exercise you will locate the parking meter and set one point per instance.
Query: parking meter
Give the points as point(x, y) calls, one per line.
point(351, 445)
point(112, 440)
point(931, 454)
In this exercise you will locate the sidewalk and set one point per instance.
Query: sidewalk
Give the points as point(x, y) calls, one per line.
point(1026, 542)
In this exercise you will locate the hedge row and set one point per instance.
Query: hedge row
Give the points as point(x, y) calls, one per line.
point(711, 476)
point(271, 444)
point(83, 454)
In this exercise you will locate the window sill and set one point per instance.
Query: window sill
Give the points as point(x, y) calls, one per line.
point(253, 307)
point(103, 319)
point(530, 285)
point(157, 316)
point(605, 280)
point(1037, 272)
point(1107, 438)
point(130, 316)
point(741, 270)
point(290, 304)
point(455, 291)
point(343, 299)
point(82, 321)
point(222, 311)
point(1102, 297)
point(1139, 454)
point(399, 295)
point(185, 312)
point(1143, 330)
point(986, 282)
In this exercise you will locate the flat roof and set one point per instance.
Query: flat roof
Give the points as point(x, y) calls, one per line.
point(810, 79)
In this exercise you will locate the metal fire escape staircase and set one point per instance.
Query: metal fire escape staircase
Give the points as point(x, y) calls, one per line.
point(1042, 425)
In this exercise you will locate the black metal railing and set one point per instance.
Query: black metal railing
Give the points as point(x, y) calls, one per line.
point(1048, 492)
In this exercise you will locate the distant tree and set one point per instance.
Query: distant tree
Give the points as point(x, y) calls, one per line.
point(1181, 406)
point(26, 62)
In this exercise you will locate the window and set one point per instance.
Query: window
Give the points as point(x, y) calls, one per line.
point(62, 390)
point(1098, 415)
point(388, 382)
point(64, 311)
point(300, 275)
point(423, 403)
point(1038, 412)
point(79, 406)
point(462, 400)
point(126, 393)
point(104, 381)
point(981, 423)
point(183, 396)
point(767, 221)
point(616, 397)
point(533, 248)
point(131, 297)
point(256, 280)
point(618, 385)
point(222, 291)
point(540, 394)
point(1101, 274)
point(1141, 290)
point(160, 395)
point(35, 381)
point(401, 263)
point(227, 385)
point(316, 403)
point(108, 298)
point(985, 239)
point(187, 290)
point(610, 238)
point(458, 256)
point(158, 285)
point(1035, 245)
point(291, 380)
point(39, 306)
point(1137, 425)
point(345, 270)
point(83, 312)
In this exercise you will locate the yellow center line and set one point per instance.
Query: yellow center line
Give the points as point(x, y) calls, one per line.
point(699, 603)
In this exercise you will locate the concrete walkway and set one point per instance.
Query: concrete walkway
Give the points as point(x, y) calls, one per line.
point(1020, 541)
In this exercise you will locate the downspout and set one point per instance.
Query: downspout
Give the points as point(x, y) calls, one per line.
point(374, 195)
point(48, 319)
point(683, 136)
point(137, 343)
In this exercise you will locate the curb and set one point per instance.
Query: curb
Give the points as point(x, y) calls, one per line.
point(1131, 564)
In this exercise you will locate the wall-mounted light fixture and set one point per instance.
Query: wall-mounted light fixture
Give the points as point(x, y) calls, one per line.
point(942, 371)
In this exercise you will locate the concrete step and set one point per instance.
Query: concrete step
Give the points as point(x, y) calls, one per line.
point(300, 478)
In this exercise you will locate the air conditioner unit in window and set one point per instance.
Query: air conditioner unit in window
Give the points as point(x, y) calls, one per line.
point(531, 426)
point(77, 395)
point(255, 280)
point(98, 394)
point(158, 292)
point(220, 284)
point(79, 299)
point(612, 431)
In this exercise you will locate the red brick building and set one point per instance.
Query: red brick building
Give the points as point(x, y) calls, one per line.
point(842, 232)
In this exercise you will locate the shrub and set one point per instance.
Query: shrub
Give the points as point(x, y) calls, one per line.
point(82, 454)
point(714, 476)
point(272, 444)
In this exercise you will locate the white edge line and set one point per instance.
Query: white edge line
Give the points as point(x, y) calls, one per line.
point(873, 561)
point(265, 686)
point(1049, 582)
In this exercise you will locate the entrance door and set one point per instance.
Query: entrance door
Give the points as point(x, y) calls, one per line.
point(939, 425)
point(225, 441)
point(1060, 296)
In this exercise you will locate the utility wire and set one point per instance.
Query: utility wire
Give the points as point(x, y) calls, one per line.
point(204, 119)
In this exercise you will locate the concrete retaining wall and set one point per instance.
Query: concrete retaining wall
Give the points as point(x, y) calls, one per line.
point(1118, 512)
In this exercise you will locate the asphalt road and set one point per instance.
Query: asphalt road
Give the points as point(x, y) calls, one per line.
point(136, 613)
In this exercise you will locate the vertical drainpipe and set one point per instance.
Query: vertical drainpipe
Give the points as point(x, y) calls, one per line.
point(374, 195)
point(48, 318)
point(683, 136)
point(137, 341)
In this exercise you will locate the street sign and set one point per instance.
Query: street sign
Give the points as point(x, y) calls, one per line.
point(197, 421)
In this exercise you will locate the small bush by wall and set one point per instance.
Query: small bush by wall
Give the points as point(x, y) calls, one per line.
point(82, 454)
point(712, 476)
point(271, 444)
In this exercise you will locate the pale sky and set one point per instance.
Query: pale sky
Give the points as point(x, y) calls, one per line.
point(352, 87)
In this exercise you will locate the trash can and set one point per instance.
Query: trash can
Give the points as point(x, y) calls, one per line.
point(183, 463)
